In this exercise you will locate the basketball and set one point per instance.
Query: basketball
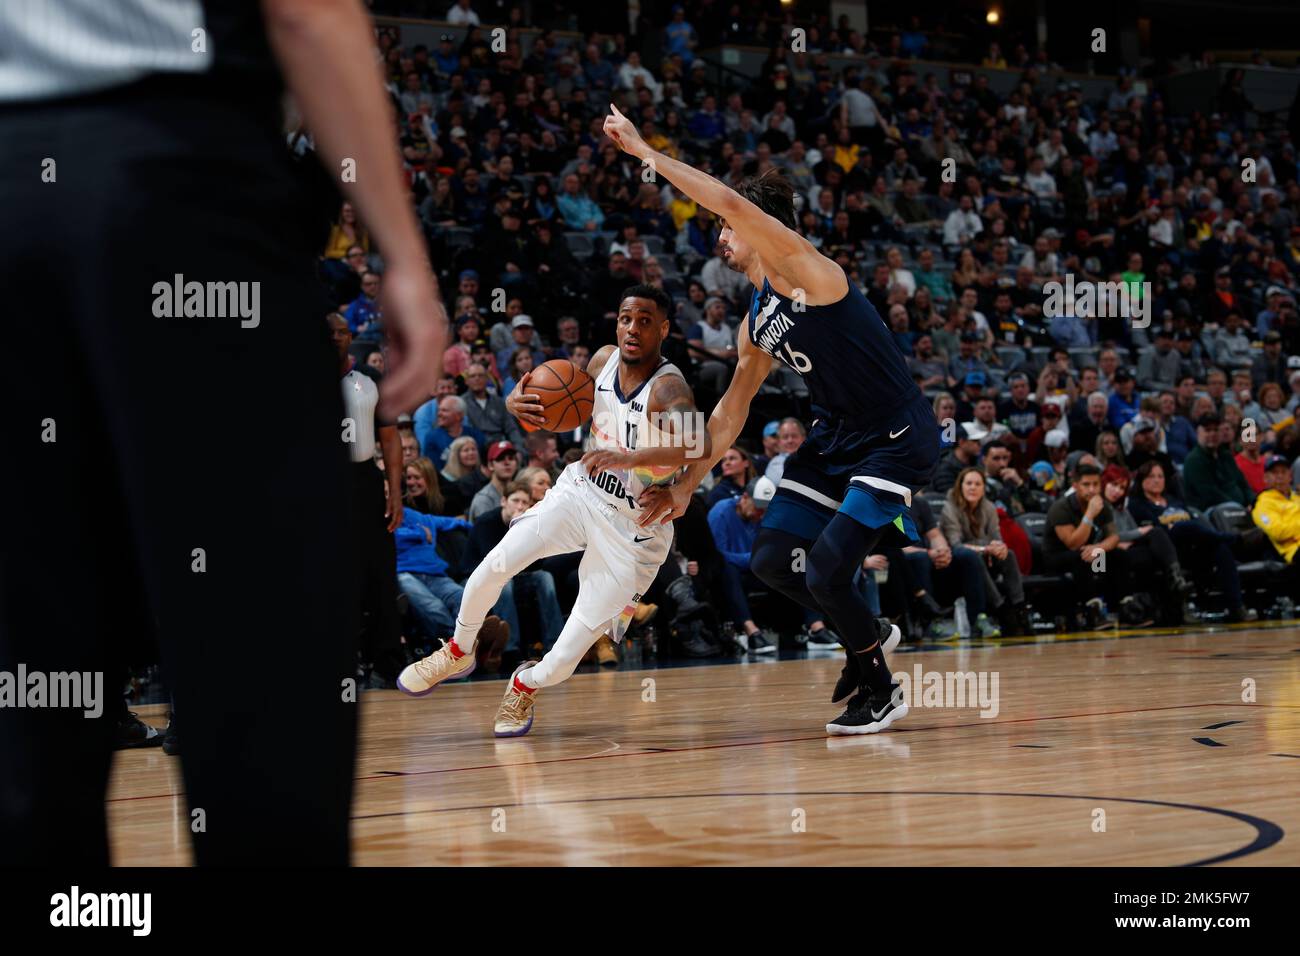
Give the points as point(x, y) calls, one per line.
point(567, 394)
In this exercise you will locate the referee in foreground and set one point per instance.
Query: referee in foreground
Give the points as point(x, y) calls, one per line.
point(179, 433)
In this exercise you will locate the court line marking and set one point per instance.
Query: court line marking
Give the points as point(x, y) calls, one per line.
point(650, 751)
point(1267, 833)
point(381, 775)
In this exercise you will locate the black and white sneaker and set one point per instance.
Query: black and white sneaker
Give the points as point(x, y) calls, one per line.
point(759, 643)
point(851, 676)
point(870, 713)
point(824, 638)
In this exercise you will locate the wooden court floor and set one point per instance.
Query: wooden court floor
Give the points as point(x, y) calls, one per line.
point(1115, 751)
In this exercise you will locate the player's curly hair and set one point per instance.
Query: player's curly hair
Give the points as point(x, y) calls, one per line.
point(771, 192)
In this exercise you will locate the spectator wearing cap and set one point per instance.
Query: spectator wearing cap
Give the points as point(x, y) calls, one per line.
point(974, 385)
point(1123, 404)
point(1050, 418)
point(1158, 368)
point(503, 465)
point(1210, 474)
point(1277, 513)
point(459, 354)
point(1190, 363)
point(1148, 410)
point(451, 425)
point(1270, 365)
point(1056, 451)
point(1145, 437)
point(734, 523)
point(771, 446)
point(965, 454)
point(1231, 345)
point(1266, 320)
point(967, 361)
point(521, 331)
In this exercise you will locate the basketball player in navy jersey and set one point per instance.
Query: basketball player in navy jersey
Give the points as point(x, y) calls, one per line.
point(873, 443)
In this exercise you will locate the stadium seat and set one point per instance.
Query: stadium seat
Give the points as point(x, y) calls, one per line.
point(1054, 591)
point(580, 244)
point(1230, 517)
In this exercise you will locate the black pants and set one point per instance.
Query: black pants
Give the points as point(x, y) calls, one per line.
point(1111, 581)
point(195, 460)
point(376, 571)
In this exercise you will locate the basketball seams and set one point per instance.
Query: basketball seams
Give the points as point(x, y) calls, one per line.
point(565, 395)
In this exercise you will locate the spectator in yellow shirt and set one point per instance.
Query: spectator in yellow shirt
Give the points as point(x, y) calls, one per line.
point(1277, 509)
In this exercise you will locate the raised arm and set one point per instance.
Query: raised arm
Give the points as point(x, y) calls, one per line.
point(781, 248)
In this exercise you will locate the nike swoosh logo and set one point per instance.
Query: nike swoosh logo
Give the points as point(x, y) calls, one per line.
point(899, 432)
point(647, 538)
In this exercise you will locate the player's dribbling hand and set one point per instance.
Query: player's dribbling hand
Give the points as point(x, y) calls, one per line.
point(620, 129)
point(663, 504)
point(525, 406)
point(604, 459)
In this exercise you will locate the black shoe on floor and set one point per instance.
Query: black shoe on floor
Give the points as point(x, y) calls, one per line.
point(691, 642)
point(132, 732)
point(870, 713)
point(819, 639)
point(171, 744)
point(850, 678)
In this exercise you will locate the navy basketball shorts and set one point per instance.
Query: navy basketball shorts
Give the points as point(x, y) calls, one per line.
point(867, 472)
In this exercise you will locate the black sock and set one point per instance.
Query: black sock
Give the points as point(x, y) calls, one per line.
point(875, 672)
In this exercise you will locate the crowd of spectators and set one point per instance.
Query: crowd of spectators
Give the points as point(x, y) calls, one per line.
point(1099, 465)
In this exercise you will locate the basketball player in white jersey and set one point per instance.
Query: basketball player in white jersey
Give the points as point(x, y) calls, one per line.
point(645, 427)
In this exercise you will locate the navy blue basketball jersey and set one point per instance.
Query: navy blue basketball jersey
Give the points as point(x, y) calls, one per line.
point(844, 352)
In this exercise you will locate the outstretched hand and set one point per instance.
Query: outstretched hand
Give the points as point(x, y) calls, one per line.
point(621, 130)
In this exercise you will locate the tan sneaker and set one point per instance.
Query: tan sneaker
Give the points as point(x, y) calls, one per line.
point(605, 653)
point(492, 639)
point(427, 673)
point(644, 613)
point(515, 715)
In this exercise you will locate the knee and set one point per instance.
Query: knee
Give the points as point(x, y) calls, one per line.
point(772, 565)
point(827, 572)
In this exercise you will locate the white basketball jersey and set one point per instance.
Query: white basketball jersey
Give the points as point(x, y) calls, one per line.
point(619, 421)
